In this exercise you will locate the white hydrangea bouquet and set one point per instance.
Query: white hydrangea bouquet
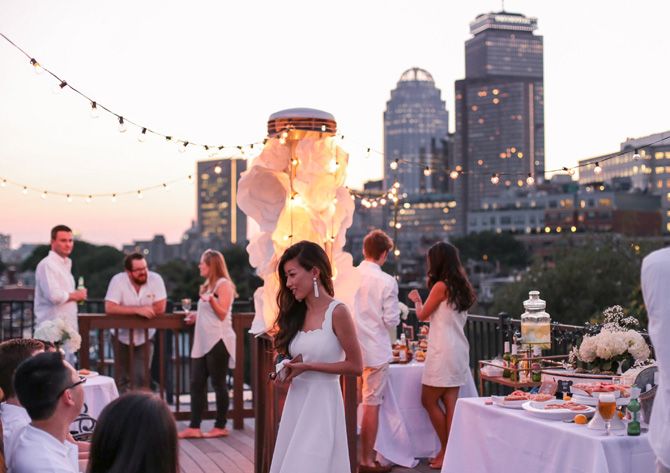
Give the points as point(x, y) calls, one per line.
point(615, 349)
point(59, 333)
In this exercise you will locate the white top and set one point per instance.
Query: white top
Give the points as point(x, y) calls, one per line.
point(209, 329)
point(36, 451)
point(14, 418)
point(655, 289)
point(448, 358)
point(375, 310)
point(122, 292)
point(53, 284)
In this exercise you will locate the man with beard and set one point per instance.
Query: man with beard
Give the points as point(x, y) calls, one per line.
point(136, 291)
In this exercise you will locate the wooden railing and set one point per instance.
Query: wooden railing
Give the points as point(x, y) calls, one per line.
point(174, 338)
point(269, 401)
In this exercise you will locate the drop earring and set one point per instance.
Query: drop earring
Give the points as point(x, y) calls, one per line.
point(316, 287)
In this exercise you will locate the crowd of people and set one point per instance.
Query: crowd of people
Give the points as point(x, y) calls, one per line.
point(317, 339)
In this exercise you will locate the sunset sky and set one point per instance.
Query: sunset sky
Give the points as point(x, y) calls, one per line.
point(213, 72)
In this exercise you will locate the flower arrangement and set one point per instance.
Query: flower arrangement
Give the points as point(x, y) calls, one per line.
point(59, 333)
point(615, 349)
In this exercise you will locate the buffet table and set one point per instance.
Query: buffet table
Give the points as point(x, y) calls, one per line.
point(405, 432)
point(487, 438)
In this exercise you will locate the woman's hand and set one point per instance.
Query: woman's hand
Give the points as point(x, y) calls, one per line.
point(414, 296)
point(296, 368)
point(205, 297)
point(190, 318)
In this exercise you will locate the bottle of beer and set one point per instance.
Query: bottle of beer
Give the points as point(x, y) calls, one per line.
point(80, 286)
point(634, 408)
point(514, 364)
point(506, 361)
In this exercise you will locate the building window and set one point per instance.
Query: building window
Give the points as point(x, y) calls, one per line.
point(659, 155)
point(605, 202)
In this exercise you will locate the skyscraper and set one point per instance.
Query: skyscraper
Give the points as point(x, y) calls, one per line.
point(219, 217)
point(499, 109)
point(416, 123)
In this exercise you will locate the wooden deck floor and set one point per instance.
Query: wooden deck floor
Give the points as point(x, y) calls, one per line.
point(233, 454)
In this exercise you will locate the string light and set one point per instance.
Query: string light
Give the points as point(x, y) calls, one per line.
point(113, 198)
point(89, 198)
point(426, 171)
point(68, 198)
point(122, 125)
point(3, 183)
point(495, 179)
point(396, 252)
point(142, 136)
point(217, 169)
point(453, 174)
point(530, 180)
point(140, 195)
point(94, 110)
point(597, 169)
point(25, 190)
point(394, 165)
point(44, 195)
point(636, 156)
point(36, 66)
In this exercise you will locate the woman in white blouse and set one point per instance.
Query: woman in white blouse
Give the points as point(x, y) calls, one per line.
point(213, 344)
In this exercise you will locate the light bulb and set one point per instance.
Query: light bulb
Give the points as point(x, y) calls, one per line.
point(25, 190)
point(88, 199)
point(217, 169)
point(597, 169)
point(382, 201)
point(181, 146)
point(294, 162)
point(453, 174)
point(284, 135)
point(282, 141)
point(68, 198)
point(332, 166)
point(571, 172)
point(406, 205)
point(122, 125)
point(140, 195)
point(394, 165)
point(3, 183)
point(36, 66)
point(530, 180)
point(142, 136)
point(190, 179)
point(495, 179)
point(113, 198)
point(165, 187)
point(396, 252)
point(95, 113)
point(636, 156)
point(398, 225)
point(426, 171)
point(323, 127)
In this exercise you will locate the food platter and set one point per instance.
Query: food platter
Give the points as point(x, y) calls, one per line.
point(87, 373)
point(548, 412)
point(501, 402)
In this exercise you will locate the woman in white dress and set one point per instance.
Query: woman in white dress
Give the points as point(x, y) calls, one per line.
point(447, 361)
point(312, 432)
point(213, 349)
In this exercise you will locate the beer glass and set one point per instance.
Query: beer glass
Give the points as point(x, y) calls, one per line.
point(607, 409)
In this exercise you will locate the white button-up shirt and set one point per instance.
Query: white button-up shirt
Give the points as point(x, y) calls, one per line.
point(375, 310)
point(14, 418)
point(656, 292)
point(122, 292)
point(53, 285)
point(36, 451)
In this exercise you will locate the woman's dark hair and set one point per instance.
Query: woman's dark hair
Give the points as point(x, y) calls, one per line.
point(135, 433)
point(444, 265)
point(292, 311)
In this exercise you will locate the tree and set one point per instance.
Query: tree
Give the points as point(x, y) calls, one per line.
point(582, 282)
point(493, 247)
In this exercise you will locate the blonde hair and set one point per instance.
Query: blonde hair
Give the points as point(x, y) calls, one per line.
point(217, 270)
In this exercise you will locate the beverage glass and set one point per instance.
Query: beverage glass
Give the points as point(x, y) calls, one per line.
point(186, 304)
point(607, 409)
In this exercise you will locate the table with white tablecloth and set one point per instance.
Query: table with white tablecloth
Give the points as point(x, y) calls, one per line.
point(486, 438)
point(405, 432)
point(98, 392)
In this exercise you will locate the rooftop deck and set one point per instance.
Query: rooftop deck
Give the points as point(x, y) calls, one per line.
point(233, 454)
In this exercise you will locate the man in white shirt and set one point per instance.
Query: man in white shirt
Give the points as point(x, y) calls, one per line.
point(13, 414)
point(656, 293)
point(55, 293)
point(136, 291)
point(52, 393)
point(376, 310)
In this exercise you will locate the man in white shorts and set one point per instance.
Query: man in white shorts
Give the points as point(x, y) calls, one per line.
point(376, 311)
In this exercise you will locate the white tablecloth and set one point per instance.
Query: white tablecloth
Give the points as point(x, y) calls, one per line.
point(405, 432)
point(491, 438)
point(98, 392)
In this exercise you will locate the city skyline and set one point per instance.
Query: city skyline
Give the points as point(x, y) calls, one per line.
point(195, 85)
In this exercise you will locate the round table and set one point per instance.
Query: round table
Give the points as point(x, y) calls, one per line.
point(98, 392)
point(405, 432)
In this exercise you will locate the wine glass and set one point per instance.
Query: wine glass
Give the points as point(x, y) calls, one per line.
point(186, 305)
point(607, 409)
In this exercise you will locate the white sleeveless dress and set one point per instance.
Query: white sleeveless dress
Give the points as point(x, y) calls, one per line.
point(209, 329)
point(448, 358)
point(312, 433)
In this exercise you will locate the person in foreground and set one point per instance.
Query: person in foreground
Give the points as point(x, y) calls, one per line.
point(135, 433)
point(213, 344)
point(52, 393)
point(655, 279)
point(376, 311)
point(312, 432)
point(447, 362)
point(13, 415)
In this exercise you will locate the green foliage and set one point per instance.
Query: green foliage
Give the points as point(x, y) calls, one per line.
point(582, 282)
point(182, 279)
point(502, 248)
point(97, 264)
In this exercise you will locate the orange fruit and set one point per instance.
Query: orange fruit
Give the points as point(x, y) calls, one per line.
point(621, 415)
point(567, 397)
point(581, 419)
